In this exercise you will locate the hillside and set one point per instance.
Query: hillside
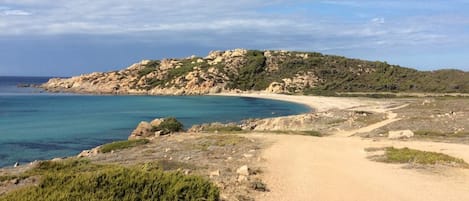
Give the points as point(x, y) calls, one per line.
point(272, 71)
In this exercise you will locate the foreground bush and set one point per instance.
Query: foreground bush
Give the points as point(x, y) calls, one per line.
point(122, 145)
point(82, 180)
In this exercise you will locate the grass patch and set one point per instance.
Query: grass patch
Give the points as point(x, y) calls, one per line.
point(11, 177)
point(82, 180)
point(308, 133)
point(122, 145)
point(427, 133)
point(220, 141)
point(413, 156)
point(222, 128)
point(336, 121)
point(174, 165)
point(311, 133)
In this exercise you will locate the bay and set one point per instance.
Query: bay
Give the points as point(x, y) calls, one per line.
point(37, 126)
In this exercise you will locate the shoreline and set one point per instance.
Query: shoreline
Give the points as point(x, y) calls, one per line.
point(320, 103)
point(306, 110)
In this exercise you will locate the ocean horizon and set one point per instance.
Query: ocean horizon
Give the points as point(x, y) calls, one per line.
point(36, 125)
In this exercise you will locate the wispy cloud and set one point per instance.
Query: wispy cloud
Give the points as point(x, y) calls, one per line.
point(6, 11)
point(319, 25)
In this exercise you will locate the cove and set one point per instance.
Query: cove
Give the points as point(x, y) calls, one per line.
point(44, 126)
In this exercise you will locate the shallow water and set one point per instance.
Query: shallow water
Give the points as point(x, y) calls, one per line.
point(36, 126)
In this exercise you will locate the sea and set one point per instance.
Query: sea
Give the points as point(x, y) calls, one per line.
point(36, 125)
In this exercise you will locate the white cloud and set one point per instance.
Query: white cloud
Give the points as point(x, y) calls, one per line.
point(6, 11)
point(377, 20)
point(229, 22)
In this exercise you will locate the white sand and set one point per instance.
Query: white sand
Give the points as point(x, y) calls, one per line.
point(320, 103)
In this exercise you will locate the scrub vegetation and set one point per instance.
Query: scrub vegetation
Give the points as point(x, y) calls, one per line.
point(82, 180)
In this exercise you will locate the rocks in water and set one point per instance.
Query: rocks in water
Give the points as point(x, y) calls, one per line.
point(26, 85)
point(400, 134)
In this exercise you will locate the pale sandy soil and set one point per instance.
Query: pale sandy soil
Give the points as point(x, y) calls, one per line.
point(337, 168)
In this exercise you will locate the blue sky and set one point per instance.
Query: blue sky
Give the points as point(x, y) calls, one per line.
point(63, 37)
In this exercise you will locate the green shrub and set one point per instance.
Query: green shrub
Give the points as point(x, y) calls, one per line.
point(122, 145)
point(311, 133)
point(110, 182)
point(427, 133)
point(150, 67)
point(406, 155)
point(169, 125)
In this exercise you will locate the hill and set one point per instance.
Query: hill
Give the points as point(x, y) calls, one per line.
point(272, 71)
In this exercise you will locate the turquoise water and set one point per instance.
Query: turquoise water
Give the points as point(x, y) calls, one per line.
point(35, 126)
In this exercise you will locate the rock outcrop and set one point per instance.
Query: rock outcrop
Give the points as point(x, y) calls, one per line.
point(146, 129)
point(252, 70)
point(215, 73)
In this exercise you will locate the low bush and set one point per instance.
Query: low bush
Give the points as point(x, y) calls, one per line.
point(169, 125)
point(122, 145)
point(222, 128)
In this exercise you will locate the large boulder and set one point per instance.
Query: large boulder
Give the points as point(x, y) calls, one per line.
point(143, 130)
point(155, 128)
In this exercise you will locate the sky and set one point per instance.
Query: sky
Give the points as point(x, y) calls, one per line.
point(64, 38)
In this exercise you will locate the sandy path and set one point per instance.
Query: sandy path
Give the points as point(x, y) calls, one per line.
point(301, 168)
point(309, 168)
point(337, 168)
point(390, 117)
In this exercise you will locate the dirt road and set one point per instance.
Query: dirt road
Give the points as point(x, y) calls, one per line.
point(336, 168)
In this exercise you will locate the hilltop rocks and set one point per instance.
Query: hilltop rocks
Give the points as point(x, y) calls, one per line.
point(139, 78)
point(188, 76)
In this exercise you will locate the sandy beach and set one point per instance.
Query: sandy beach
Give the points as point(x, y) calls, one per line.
point(322, 103)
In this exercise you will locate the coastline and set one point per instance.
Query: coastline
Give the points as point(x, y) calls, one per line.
point(134, 125)
point(320, 103)
point(288, 172)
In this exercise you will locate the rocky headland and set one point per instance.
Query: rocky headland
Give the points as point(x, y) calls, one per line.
point(240, 70)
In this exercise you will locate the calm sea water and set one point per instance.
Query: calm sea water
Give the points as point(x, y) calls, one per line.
point(35, 126)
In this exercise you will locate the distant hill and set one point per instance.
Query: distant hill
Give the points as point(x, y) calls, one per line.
point(271, 71)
